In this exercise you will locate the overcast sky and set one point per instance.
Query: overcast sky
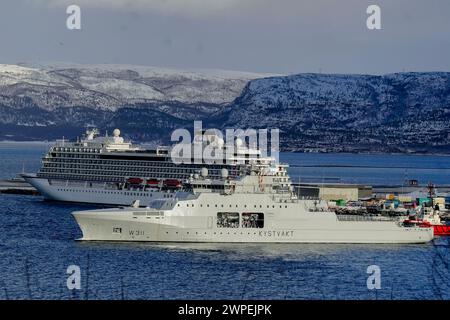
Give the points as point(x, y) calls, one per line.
point(280, 36)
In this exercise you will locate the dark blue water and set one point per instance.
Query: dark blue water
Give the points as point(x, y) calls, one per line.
point(17, 157)
point(37, 245)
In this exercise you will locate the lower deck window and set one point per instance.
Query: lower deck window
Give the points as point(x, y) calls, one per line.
point(252, 220)
point(227, 220)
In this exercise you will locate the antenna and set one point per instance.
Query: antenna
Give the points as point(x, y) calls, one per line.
point(431, 191)
point(405, 179)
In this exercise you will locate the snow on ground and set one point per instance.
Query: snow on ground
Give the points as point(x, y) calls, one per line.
point(122, 83)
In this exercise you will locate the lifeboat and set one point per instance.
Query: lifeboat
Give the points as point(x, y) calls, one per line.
point(172, 183)
point(152, 183)
point(135, 180)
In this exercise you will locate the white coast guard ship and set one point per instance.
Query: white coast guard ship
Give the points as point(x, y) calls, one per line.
point(259, 207)
point(109, 170)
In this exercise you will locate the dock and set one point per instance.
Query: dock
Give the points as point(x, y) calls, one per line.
point(17, 186)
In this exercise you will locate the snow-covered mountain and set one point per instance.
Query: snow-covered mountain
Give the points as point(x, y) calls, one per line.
point(407, 112)
point(110, 87)
point(34, 97)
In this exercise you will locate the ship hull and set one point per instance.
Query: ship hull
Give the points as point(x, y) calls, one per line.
point(123, 227)
point(100, 194)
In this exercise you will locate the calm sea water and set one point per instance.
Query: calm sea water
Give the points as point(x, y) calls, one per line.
point(37, 245)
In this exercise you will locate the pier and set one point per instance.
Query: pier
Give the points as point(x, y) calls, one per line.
point(17, 186)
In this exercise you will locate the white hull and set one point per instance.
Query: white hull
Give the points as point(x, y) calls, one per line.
point(359, 232)
point(295, 225)
point(82, 193)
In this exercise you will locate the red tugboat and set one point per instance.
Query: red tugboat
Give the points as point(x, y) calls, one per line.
point(430, 217)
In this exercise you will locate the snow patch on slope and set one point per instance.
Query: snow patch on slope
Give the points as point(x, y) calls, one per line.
point(110, 87)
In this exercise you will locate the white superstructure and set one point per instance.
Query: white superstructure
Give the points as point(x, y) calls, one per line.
point(259, 207)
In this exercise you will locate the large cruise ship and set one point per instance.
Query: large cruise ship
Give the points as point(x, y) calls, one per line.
point(109, 170)
point(259, 207)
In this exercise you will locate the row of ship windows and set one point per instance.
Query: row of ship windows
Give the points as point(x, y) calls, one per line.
point(115, 169)
point(119, 177)
point(166, 161)
point(163, 159)
point(61, 149)
point(133, 164)
point(232, 206)
point(122, 172)
point(127, 193)
point(79, 156)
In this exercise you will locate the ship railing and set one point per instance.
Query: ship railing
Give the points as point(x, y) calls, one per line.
point(308, 198)
point(149, 213)
point(286, 197)
point(348, 217)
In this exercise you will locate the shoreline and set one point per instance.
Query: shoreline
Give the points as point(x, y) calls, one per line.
point(47, 142)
